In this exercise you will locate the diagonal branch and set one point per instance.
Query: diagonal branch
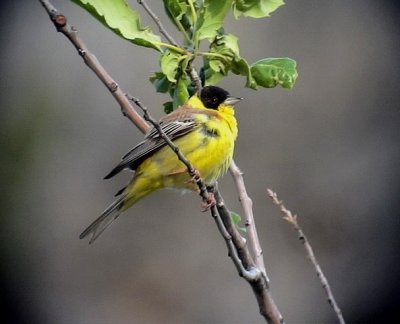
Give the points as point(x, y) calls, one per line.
point(61, 24)
point(158, 22)
point(292, 219)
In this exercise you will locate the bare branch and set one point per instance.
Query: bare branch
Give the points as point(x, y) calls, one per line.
point(60, 22)
point(292, 219)
point(157, 20)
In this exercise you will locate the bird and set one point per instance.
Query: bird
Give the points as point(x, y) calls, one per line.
point(204, 129)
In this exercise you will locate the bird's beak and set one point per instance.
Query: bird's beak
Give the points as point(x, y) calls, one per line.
point(232, 100)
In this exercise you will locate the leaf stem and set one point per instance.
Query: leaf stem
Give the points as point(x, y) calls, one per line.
point(172, 47)
point(193, 11)
point(220, 56)
point(183, 31)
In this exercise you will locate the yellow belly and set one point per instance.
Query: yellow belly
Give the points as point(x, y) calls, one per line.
point(209, 148)
point(210, 154)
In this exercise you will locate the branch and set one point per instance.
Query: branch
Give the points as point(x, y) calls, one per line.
point(157, 20)
point(60, 22)
point(292, 219)
point(254, 276)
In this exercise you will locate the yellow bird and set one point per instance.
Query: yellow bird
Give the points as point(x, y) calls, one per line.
point(204, 129)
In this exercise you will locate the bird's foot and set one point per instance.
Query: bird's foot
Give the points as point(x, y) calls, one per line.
point(195, 177)
point(208, 203)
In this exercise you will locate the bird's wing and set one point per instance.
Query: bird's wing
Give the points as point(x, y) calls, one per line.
point(174, 125)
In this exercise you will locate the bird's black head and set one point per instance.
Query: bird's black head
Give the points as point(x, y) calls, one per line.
point(212, 96)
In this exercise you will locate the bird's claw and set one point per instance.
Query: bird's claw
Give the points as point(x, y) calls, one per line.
point(195, 176)
point(208, 203)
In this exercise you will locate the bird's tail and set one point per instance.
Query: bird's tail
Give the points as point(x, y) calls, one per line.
point(106, 218)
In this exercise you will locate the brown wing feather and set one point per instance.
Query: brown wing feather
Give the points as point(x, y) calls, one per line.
point(174, 125)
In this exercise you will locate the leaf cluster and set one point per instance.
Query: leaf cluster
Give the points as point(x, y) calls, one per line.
point(197, 21)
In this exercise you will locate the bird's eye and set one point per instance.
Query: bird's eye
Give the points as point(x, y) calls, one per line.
point(214, 99)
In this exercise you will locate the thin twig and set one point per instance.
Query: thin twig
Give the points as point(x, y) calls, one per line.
point(157, 20)
point(292, 219)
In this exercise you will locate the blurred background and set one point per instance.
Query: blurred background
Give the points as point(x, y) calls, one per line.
point(329, 148)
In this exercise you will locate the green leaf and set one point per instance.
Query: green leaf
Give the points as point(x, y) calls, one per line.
point(230, 42)
point(223, 50)
point(169, 62)
point(241, 67)
point(224, 56)
point(178, 11)
point(121, 19)
point(256, 8)
point(216, 67)
point(160, 82)
point(173, 79)
point(176, 8)
point(168, 107)
point(236, 219)
point(181, 93)
point(209, 74)
point(270, 72)
point(211, 18)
